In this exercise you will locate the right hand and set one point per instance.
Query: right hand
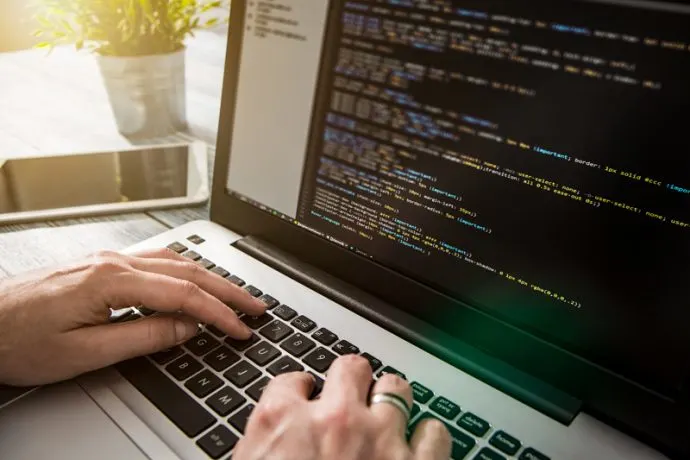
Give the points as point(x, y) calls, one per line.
point(341, 425)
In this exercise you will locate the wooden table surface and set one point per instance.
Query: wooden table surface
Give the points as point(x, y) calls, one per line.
point(57, 103)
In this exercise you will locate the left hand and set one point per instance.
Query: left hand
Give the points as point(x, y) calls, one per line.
point(54, 323)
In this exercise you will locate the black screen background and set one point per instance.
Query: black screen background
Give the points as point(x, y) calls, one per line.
point(629, 272)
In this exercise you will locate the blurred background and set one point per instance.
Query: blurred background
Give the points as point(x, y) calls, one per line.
point(16, 26)
point(81, 76)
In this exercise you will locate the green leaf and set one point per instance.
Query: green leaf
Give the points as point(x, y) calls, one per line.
point(125, 27)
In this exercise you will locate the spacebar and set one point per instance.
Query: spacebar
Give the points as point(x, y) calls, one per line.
point(178, 406)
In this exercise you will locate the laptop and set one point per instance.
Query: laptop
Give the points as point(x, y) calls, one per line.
point(489, 198)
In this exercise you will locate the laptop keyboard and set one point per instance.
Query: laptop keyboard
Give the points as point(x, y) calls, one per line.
point(209, 386)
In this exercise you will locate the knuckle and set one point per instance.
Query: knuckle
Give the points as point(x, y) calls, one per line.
point(354, 361)
point(188, 289)
point(107, 254)
point(394, 381)
point(338, 417)
point(163, 253)
point(266, 415)
point(106, 266)
point(397, 385)
point(194, 270)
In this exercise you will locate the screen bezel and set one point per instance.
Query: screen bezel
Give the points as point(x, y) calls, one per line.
point(198, 189)
point(617, 399)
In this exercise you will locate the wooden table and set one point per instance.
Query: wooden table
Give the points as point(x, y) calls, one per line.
point(57, 103)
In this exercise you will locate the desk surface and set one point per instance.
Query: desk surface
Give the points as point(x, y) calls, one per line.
point(57, 103)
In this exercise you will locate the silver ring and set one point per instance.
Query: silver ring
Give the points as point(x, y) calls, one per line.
point(393, 399)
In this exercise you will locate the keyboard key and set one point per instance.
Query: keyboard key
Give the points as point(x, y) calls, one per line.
point(318, 386)
point(236, 280)
point(415, 410)
point(177, 247)
point(196, 239)
point(123, 315)
point(474, 424)
point(421, 393)
point(258, 388)
point(284, 312)
point(202, 344)
point(119, 314)
point(221, 358)
point(253, 290)
point(184, 367)
point(270, 302)
point(532, 454)
point(192, 255)
point(462, 443)
point(303, 323)
point(146, 311)
point(505, 443)
point(226, 401)
point(165, 356)
point(239, 420)
point(263, 353)
point(220, 271)
point(374, 362)
point(325, 336)
point(488, 454)
point(444, 407)
point(218, 441)
point(215, 331)
point(186, 413)
point(283, 366)
point(276, 331)
point(242, 373)
point(241, 345)
point(133, 317)
point(391, 370)
point(207, 264)
point(204, 383)
point(320, 359)
point(345, 348)
point(256, 322)
point(297, 345)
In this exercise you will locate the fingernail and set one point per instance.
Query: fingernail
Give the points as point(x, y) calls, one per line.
point(247, 331)
point(185, 331)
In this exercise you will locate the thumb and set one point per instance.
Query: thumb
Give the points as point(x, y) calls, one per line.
point(100, 346)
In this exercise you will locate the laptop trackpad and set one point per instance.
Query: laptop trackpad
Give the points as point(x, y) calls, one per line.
point(61, 423)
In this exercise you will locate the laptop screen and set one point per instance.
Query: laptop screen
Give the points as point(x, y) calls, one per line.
point(529, 158)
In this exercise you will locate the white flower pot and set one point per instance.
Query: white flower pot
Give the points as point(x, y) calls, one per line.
point(146, 93)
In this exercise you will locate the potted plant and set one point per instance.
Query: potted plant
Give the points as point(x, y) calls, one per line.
point(140, 49)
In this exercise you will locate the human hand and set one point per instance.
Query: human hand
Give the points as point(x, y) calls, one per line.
point(340, 425)
point(54, 324)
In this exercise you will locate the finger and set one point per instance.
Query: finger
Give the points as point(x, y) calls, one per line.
point(100, 346)
point(387, 414)
point(431, 441)
point(349, 378)
point(172, 295)
point(291, 388)
point(169, 263)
